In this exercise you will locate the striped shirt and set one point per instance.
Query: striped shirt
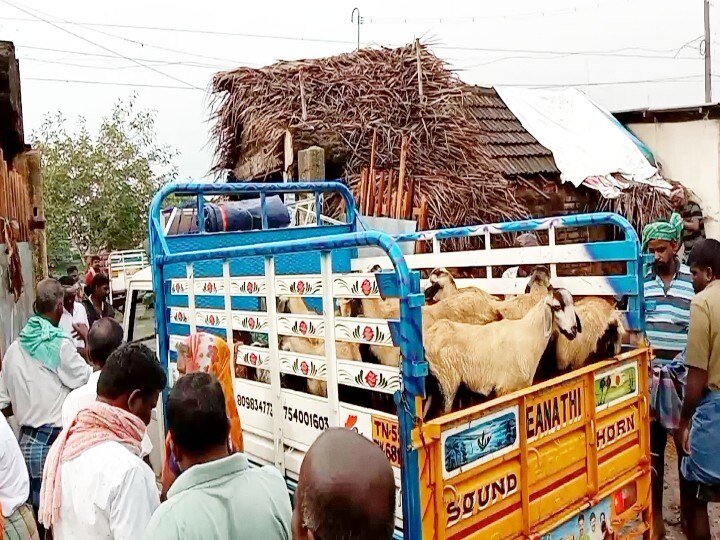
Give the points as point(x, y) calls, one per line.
point(667, 313)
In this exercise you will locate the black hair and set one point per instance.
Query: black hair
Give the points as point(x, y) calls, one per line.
point(95, 258)
point(66, 281)
point(104, 337)
point(581, 517)
point(592, 516)
point(99, 280)
point(131, 367)
point(706, 254)
point(196, 413)
point(71, 269)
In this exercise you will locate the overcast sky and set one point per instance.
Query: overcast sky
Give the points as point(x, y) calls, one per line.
point(623, 53)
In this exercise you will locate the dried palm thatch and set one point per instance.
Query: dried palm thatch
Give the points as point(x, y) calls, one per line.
point(338, 103)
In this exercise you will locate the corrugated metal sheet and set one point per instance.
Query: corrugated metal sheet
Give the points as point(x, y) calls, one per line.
point(504, 139)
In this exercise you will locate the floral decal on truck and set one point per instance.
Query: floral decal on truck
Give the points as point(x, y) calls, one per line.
point(303, 328)
point(369, 333)
point(371, 379)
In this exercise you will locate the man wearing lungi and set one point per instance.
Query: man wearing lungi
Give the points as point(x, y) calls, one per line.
point(699, 429)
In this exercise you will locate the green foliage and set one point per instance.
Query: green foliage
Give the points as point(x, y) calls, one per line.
point(98, 187)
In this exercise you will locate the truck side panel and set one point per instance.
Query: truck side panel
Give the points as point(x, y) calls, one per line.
point(517, 466)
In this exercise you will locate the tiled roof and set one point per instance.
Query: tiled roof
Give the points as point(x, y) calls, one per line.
point(506, 141)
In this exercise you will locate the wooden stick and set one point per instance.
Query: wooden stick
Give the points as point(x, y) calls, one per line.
point(411, 195)
point(388, 198)
point(302, 98)
point(381, 195)
point(371, 193)
point(361, 193)
point(419, 68)
point(401, 174)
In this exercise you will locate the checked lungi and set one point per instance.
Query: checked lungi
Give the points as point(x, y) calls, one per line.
point(703, 464)
point(35, 444)
point(667, 389)
point(21, 525)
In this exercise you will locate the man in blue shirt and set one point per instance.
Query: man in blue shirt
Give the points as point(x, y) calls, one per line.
point(668, 294)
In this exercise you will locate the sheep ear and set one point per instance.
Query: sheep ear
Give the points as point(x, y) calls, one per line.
point(578, 323)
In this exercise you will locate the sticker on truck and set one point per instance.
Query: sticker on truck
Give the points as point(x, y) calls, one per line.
point(595, 522)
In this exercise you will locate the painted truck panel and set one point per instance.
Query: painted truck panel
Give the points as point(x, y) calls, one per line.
point(523, 466)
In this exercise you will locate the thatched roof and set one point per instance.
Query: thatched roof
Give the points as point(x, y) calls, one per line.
point(466, 148)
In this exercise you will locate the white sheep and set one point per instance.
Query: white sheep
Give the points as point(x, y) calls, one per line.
point(442, 285)
point(343, 350)
point(314, 346)
point(600, 338)
point(499, 357)
point(517, 306)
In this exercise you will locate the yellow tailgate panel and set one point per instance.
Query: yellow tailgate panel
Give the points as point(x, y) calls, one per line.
point(525, 464)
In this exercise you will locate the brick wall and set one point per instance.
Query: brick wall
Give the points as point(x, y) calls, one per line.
point(558, 199)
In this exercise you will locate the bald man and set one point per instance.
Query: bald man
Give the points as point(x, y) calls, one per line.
point(346, 490)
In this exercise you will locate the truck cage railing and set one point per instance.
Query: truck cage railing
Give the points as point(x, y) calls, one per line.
point(402, 283)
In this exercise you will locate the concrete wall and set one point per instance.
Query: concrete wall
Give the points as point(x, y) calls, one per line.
point(14, 315)
point(689, 153)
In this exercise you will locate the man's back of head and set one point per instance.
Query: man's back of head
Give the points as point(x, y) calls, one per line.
point(346, 490)
point(48, 299)
point(104, 337)
point(132, 379)
point(197, 419)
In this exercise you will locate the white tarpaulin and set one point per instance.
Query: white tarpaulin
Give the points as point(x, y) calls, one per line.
point(588, 146)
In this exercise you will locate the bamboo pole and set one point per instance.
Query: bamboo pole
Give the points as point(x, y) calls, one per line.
point(401, 174)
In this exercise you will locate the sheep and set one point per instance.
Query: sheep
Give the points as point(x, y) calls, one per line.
point(518, 306)
point(601, 336)
point(500, 356)
point(472, 306)
point(343, 350)
point(442, 285)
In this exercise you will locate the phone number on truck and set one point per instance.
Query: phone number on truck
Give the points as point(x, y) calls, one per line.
point(254, 404)
point(309, 419)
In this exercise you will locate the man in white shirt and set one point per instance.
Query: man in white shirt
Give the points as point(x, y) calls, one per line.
point(106, 490)
point(74, 318)
point(39, 370)
point(15, 488)
point(104, 337)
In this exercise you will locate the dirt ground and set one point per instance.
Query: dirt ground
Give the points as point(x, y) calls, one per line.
point(671, 500)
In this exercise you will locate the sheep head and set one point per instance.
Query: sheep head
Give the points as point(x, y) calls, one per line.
point(283, 304)
point(565, 319)
point(349, 307)
point(539, 280)
point(442, 285)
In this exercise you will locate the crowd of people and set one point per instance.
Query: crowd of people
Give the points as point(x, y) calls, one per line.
point(80, 470)
point(83, 400)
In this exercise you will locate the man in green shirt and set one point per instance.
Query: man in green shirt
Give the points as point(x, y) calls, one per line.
point(217, 496)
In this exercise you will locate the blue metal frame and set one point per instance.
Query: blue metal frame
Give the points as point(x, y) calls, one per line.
point(402, 283)
point(407, 284)
point(627, 250)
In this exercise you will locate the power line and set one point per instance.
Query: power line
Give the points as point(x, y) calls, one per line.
point(98, 45)
point(115, 68)
point(684, 78)
point(610, 53)
point(615, 53)
point(196, 31)
point(110, 83)
point(100, 55)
